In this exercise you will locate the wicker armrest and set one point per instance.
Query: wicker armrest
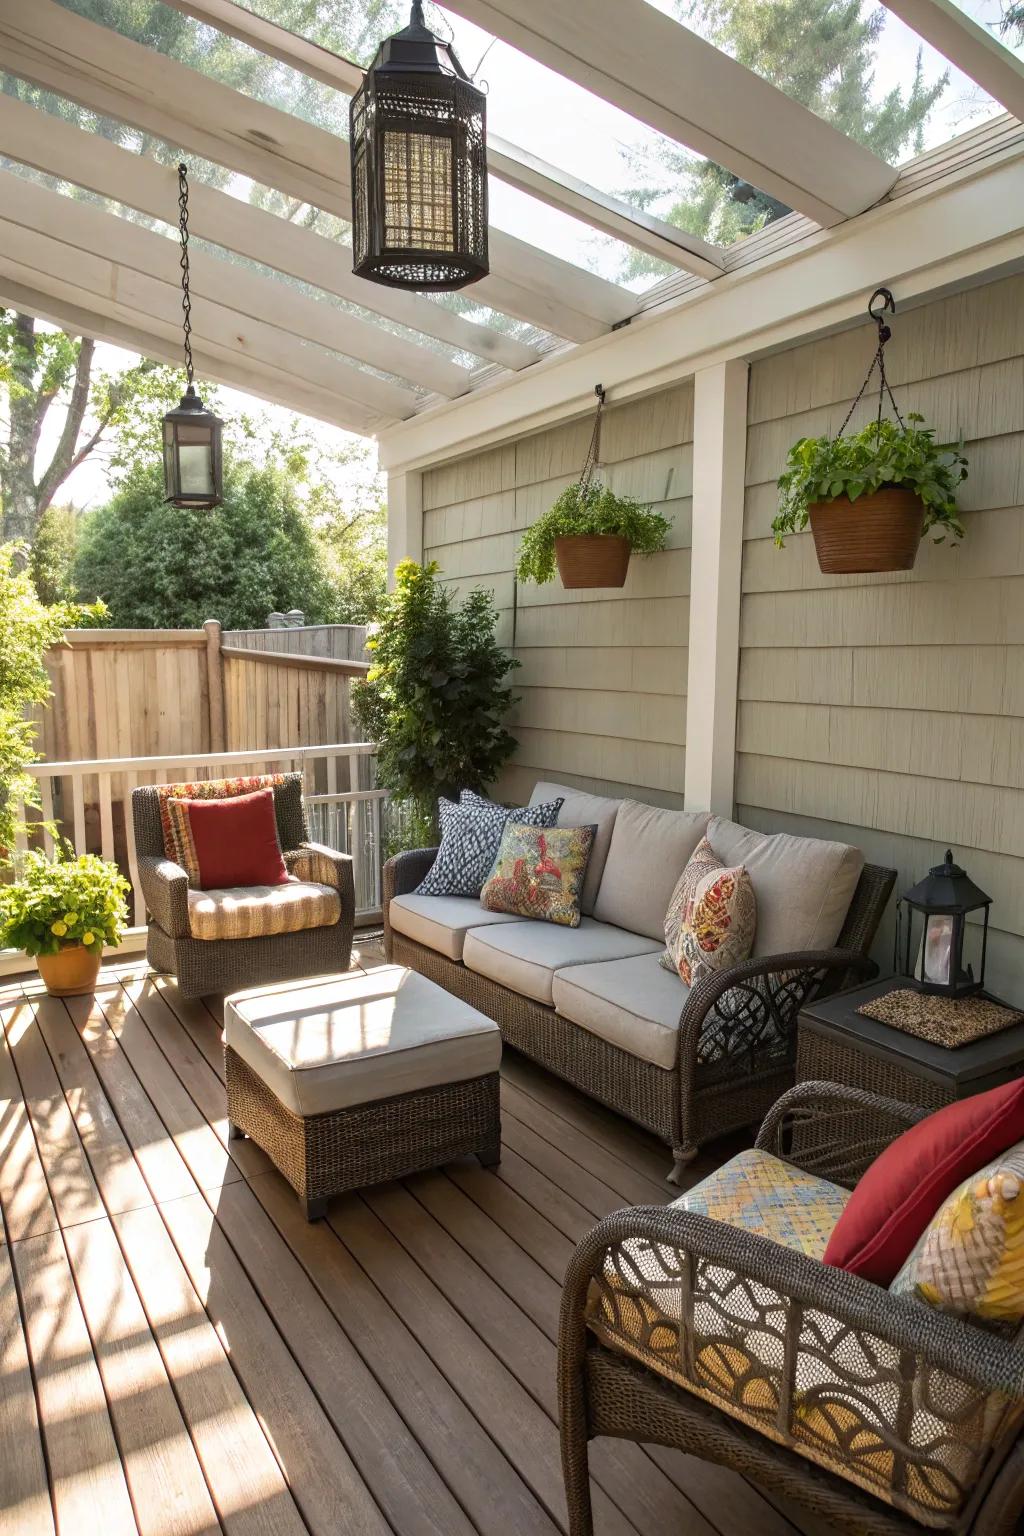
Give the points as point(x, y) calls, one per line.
point(832, 1130)
point(165, 888)
point(325, 866)
point(742, 1013)
point(404, 872)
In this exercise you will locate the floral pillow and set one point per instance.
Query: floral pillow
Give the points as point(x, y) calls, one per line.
point(970, 1258)
point(711, 917)
point(470, 839)
point(539, 873)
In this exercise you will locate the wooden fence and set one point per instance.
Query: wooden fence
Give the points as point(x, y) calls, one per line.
point(344, 642)
point(188, 693)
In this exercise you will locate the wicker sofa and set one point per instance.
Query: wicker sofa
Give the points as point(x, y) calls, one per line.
point(187, 929)
point(730, 1340)
point(593, 1005)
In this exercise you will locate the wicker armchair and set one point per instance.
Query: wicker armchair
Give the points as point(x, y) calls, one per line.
point(203, 966)
point(868, 1409)
point(737, 1033)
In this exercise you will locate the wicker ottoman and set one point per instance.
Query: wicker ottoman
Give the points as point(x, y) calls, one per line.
point(349, 1080)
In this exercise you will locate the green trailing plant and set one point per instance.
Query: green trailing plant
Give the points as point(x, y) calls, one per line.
point(883, 454)
point(437, 693)
point(588, 509)
point(63, 900)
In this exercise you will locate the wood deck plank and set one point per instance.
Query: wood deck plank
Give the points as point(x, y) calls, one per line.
point(24, 1196)
point(82, 1453)
point(537, 1236)
point(24, 1488)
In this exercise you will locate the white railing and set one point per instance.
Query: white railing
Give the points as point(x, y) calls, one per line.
point(89, 801)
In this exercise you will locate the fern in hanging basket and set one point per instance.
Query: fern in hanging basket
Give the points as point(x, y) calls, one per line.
point(583, 511)
point(885, 455)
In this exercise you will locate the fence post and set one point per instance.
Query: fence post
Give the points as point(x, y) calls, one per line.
point(215, 681)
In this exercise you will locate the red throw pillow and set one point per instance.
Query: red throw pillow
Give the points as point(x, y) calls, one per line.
point(236, 841)
point(904, 1187)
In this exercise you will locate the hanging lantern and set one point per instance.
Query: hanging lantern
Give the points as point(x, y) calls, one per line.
point(192, 434)
point(419, 166)
point(943, 900)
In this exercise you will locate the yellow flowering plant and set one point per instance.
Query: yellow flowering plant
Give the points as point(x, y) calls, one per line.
point(63, 900)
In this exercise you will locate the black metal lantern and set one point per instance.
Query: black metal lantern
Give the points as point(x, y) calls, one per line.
point(419, 166)
point(944, 898)
point(193, 475)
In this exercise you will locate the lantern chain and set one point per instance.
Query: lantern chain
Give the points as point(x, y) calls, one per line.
point(878, 361)
point(186, 300)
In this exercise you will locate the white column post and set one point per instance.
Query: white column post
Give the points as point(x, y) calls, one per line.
point(719, 461)
point(405, 519)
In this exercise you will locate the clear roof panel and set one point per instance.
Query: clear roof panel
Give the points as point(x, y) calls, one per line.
point(860, 68)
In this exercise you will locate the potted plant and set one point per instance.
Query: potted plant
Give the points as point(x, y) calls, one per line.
point(589, 534)
point(871, 497)
point(63, 909)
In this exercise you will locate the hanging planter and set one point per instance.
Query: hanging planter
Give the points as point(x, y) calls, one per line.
point(590, 533)
point(871, 497)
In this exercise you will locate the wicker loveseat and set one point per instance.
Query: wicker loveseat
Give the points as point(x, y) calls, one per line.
point(303, 928)
point(869, 1409)
point(593, 1005)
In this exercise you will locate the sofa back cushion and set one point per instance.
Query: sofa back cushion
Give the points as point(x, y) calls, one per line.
point(650, 848)
point(582, 810)
point(803, 885)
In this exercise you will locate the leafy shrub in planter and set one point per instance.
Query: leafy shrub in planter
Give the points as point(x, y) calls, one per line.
point(588, 509)
point(436, 696)
point(61, 901)
point(883, 455)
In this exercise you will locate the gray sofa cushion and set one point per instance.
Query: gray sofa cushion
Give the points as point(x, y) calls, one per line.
point(442, 922)
point(803, 885)
point(632, 1003)
point(582, 810)
point(649, 850)
point(525, 956)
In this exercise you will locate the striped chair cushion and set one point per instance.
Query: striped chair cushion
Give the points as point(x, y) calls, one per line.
point(258, 911)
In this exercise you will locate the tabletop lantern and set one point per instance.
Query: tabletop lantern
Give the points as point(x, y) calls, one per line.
point(193, 475)
point(419, 166)
point(943, 900)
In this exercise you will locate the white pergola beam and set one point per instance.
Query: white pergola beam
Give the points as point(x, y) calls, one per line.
point(49, 144)
point(506, 161)
point(716, 558)
point(74, 312)
point(63, 244)
point(668, 77)
point(971, 47)
point(112, 75)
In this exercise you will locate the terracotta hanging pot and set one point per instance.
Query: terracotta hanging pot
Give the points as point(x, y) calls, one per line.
point(592, 560)
point(71, 972)
point(878, 532)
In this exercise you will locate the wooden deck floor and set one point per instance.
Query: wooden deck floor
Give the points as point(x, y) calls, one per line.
point(180, 1353)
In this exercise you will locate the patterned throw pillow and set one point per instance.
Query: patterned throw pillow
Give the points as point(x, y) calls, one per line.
point(970, 1258)
point(470, 839)
point(539, 873)
point(711, 917)
point(178, 844)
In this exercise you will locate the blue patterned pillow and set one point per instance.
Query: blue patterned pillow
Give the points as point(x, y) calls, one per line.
point(470, 839)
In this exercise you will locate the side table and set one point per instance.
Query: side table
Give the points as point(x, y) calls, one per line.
point(838, 1044)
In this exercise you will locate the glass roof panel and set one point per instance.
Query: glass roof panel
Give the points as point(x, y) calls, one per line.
point(859, 67)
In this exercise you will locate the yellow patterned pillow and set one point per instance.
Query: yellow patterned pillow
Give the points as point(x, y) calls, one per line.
point(970, 1257)
point(539, 873)
point(711, 917)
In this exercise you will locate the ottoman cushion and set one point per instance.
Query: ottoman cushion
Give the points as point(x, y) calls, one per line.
point(338, 1041)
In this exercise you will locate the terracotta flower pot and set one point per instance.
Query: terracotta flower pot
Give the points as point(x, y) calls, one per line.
point(71, 972)
point(880, 532)
point(592, 560)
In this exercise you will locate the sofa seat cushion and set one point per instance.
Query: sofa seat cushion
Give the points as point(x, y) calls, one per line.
point(632, 1003)
point(803, 885)
point(259, 911)
point(525, 956)
point(442, 922)
point(582, 810)
point(650, 847)
point(337, 1041)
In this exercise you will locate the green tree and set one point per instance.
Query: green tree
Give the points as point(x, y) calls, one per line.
point(157, 566)
point(437, 694)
